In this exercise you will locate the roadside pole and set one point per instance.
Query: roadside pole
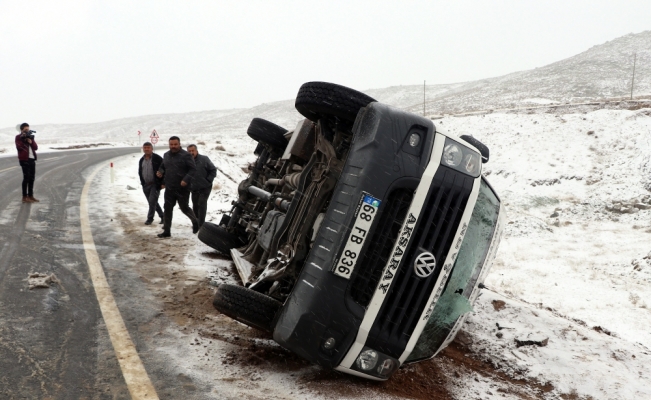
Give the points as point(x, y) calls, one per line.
point(633, 79)
point(112, 174)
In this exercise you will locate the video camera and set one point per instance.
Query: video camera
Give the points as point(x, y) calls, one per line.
point(28, 135)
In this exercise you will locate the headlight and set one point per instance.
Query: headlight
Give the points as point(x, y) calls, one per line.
point(414, 139)
point(329, 344)
point(374, 363)
point(461, 158)
point(471, 163)
point(367, 360)
point(386, 367)
point(452, 155)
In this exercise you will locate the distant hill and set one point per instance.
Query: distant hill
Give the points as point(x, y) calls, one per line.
point(600, 72)
point(603, 71)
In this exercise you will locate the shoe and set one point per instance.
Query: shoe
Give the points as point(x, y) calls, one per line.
point(162, 221)
point(164, 234)
point(33, 199)
point(149, 221)
point(195, 228)
point(26, 199)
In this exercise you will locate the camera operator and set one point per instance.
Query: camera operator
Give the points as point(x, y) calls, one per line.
point(26, 146)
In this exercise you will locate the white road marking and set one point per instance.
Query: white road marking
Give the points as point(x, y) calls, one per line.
point(47, 159)
point(135, 375)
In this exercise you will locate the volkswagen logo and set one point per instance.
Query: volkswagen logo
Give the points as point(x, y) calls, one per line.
point(425, 264)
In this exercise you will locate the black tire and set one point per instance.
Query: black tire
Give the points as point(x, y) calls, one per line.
point(321, 99)
point(219, 238)
point(247, 306)
point(263, 131)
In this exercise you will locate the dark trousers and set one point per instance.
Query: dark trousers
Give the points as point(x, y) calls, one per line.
point(29, 174)
point(200, 204)
point(151, 193)
point(182, 196)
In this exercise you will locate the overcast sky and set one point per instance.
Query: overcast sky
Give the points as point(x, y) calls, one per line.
point(89, 61)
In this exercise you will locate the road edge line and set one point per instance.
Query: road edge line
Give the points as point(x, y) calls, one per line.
point(135, 375)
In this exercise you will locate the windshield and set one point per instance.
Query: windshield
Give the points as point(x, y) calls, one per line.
point(454, 301)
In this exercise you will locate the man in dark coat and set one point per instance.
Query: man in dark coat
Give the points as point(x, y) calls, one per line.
point(151, 184)
point(26, 146)
point(202, 183)
point(177, 169)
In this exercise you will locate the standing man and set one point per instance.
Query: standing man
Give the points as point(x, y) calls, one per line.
point(177, 169)
point(202, 183)
point(26, 146)
point(149, 163)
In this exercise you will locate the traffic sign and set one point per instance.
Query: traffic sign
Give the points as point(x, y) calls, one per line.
point(154, 140)
point(154, 134)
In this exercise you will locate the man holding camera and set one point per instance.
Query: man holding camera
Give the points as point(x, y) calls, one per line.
point(26, 146)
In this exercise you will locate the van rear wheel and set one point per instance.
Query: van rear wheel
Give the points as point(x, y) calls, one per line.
point(316, 100)
point(247, 306)
point(263, 131)
point(219, 238)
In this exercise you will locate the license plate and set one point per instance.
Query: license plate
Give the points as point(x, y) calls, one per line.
point(364, 216)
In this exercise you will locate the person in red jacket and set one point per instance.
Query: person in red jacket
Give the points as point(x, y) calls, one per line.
point(26, 146)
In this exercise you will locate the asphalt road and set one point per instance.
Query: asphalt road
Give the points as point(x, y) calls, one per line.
point(52, 341)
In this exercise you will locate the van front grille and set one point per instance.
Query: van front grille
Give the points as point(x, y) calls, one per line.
point(435, 230)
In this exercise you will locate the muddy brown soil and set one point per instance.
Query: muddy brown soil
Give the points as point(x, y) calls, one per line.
point(186, 300)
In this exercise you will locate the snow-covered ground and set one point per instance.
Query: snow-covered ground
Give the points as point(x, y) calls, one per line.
point(573, 267)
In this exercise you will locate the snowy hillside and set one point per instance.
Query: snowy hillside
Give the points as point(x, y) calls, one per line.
point(603, 71)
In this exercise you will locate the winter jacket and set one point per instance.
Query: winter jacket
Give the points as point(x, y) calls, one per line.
point(206, 173)
point(23, 148)
point(156, 161)
point(177, 167)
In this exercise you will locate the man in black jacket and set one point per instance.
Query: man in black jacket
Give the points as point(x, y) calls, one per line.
point(177, 169)
point(151, 184)
point(202, 183)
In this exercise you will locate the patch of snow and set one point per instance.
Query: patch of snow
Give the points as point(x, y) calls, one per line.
point(540, 101)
